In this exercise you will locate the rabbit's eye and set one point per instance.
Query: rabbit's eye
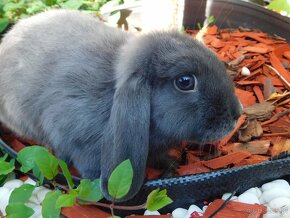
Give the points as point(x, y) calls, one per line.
point(185, 83)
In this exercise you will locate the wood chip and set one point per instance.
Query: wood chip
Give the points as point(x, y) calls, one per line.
point(147, 216)
point(226, 139)
point(224, 161)
point(254, 159)
point(276, 117)
point(152, 173)
point(260, 111)
point(258, 92)
point(281, 69)
point(192, 169)
point(281, 125)
point(253, 147)
point(286, 54)
point(212, 30)
point(252, 130)
point(241, 83)
point(235, 209)
point(280, 145)
point(246, 98)
point(269, 89)
point(83, 211)
point(236, 61)
point(255, 49)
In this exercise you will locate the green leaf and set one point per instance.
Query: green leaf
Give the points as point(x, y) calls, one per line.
point(5, 167)
point(12, 162)
point(49, 209)
point(11, 6)
point(4, 22)
point(4, 157)
point(211, 20)
point(66, 200)
point(95, 6)
point(89, 190)
point(157, 199)
point(66, 173)
point(32, 156)
point(120, 180)
point(1, 6)
point(199, 26)
point(26, 157)
point(35, 7)
point(280, 5)
point(21, 194)
point(72, 4)
point(47, 163)
point(38, 174)
point(18, 198)
point(2, 180)
point(50, 2)
point(17, 210)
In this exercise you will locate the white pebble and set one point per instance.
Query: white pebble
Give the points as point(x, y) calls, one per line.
point(37, 189)
point(191, 209)
point(271, 214)
point(271, 194)
point(12, 184)
point(30, 181)
point(285, 213)
point(33, 199)
point(37, 212)
point(31, 205)
point(148, 212)
point(234, 198)
point(37, 209)
point(4, 198)
point(278, 203)
point(179, 213)
point(40, 194)
point(245, 71)
point(194, 208)
point(256, 191)
point(227, 195)
point(248, 198)
point(279, 183)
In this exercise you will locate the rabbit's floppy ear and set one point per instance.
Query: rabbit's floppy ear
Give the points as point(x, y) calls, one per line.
point(127, 133)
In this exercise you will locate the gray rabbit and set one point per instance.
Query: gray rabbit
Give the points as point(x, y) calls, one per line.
point(97, 95)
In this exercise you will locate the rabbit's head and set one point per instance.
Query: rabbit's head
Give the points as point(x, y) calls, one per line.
point(169, 88)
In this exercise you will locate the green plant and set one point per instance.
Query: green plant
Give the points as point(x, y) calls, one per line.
point(5, 168)
point(209, 21)
point(13, 10)
point(281, 6)
point(45, 166)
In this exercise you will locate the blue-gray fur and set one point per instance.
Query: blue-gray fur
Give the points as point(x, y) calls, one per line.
point(98, 95)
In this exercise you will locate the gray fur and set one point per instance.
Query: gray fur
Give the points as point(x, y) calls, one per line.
point(98, 95)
